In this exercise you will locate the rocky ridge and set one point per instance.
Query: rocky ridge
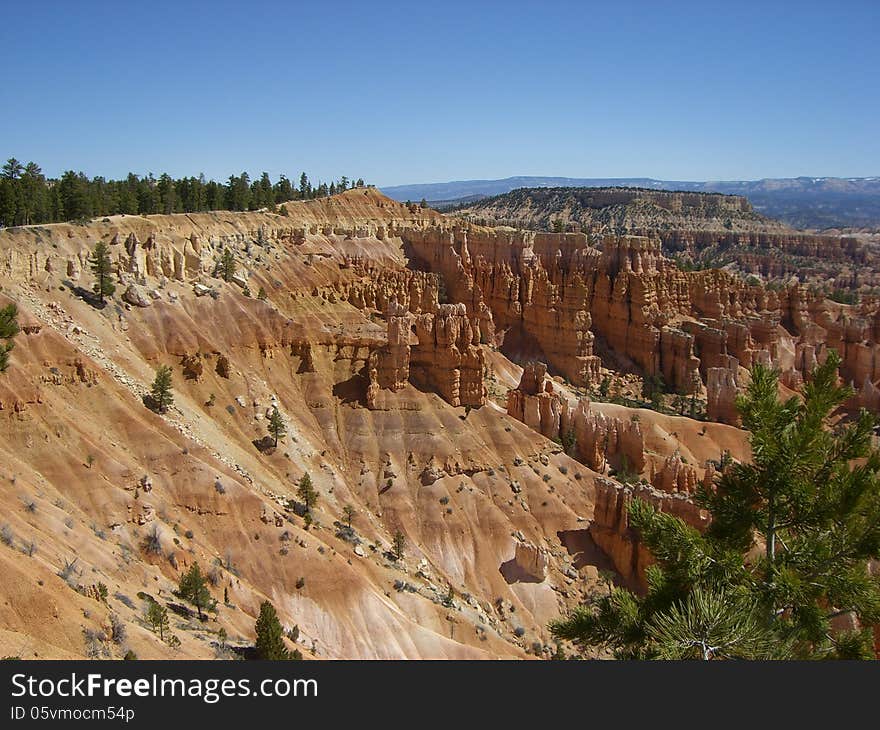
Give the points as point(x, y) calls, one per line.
point(701, 230)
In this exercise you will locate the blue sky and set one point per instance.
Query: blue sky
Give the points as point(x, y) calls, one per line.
point(420, 92)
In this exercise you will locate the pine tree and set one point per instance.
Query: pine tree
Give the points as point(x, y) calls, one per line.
point(8, 329)
point(283, 190)
point(161, 389)
point(277, 429)
point(239, 192)
point(711, 624)
point(12, 169)
point(226, 265)
point(8, 203)
point(653, 388)
point(398, 545)
point(167, 194)
point(266, 196)
point(194, 588)
point(664, 620)
point(102, 269)
point(270, 635)
point(33, 194)
point(157, 617)
point(810, 499)
point(306, 491)
point(348, 512)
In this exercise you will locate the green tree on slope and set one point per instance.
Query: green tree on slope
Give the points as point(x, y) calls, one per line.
point(161, 389)
point(8, 329)
point(270, 635)
point(305, 490)
point(157, 617)
point(226, 265)
point(786, 552)
point(194, 588)
point(277, 429)
point(102, 269)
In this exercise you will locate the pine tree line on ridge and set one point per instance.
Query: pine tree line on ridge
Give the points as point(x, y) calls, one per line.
point(28, 197)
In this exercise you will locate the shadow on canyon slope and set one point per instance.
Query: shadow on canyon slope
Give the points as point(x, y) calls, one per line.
point(514, 573)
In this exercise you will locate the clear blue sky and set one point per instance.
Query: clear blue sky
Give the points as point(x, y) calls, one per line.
point(422, 92)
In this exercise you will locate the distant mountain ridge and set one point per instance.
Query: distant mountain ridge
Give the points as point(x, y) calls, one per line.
point(802, 202)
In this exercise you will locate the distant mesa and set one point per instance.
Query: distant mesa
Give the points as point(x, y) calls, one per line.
point(802, 202)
